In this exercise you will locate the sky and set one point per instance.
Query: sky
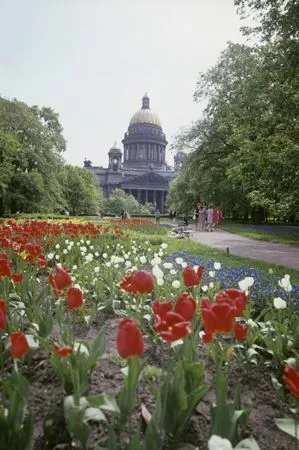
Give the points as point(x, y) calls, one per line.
point(93, 60)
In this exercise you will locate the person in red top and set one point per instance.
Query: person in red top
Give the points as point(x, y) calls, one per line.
point(217, 217)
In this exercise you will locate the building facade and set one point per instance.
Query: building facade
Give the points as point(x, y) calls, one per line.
point(141, 169)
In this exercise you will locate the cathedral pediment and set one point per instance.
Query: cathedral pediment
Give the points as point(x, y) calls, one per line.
point(147, 180)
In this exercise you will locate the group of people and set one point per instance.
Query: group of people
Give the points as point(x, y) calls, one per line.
point(207, 217)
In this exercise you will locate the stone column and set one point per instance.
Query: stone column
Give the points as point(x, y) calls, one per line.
point(146, 196)
point(139, 195)
point(155, 199)
point(162, 202)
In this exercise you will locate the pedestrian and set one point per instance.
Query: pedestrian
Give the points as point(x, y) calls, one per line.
point(196, 215)
point(210, 212)
point(216, 218)
point(201, 217)
point(157, 215)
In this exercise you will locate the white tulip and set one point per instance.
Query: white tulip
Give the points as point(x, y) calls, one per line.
point(96, 269)
point(179, 260)
point(176, 284)
point(89, 257)
point(285, 283)
point(157, 272)
point(279, 303)
point(105, 255)
point(211, 285)
point(50, 256)
point(168, 265)
point(205, 288)
point(246, 283)
point(164, 245)
point(142, 259)
point(212, 273)
point(57, 246)
point(160, 281)
point(173, 272)
point(217, 265)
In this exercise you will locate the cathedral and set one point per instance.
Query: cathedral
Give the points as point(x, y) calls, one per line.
point(141, 169)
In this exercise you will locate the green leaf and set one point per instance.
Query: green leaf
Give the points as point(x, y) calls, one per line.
point(135, 443)
point(74, 418)
point(94, 414)
point(98, 346)
point(104, 401)
point(152, 437)
point(288, 426)
point(112, 440)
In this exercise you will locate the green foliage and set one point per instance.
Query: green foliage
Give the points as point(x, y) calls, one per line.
point(80, 190)
point(30, 147)
point(119, 201)
point(33, 176)
point(16, 423)
point(244, 151)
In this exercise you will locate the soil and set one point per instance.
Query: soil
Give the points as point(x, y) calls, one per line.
point(46, 397)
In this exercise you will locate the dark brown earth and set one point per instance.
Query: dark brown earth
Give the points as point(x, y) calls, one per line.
point(46, 397)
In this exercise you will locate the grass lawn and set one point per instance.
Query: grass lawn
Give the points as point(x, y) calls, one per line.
point(284, 234)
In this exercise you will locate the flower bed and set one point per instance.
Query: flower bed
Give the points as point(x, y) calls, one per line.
point(111, 343)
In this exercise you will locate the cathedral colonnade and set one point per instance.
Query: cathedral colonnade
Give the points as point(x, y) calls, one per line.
point(155, 196)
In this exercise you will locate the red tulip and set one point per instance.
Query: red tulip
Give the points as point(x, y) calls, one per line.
point(63, 351)
point(126, 284)
point(291, 379)
point(42, 261)
point(144, 281)
point(207, 338)
point(173, 327)
point(74, 298)
point(218, 317)
point(192, 277)
point(61, 279)
point(17, 277)
point(185, 306)
point(241, 331)
point(3, 320)
point(5, 267)
point(129, 340)
point(200, 271)
point(139, 282)
point(235, 296)
point(160, 309)
point(18, 344)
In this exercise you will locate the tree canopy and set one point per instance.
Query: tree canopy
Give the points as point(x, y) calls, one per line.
point(245, 150)
point(33, 175)
point(119, 201)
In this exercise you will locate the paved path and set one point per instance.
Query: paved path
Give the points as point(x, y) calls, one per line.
point(281, 254)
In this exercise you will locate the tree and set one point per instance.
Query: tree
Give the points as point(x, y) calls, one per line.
point(119, 201)
point(30, 147)
point(81, 193)
point(245, 148)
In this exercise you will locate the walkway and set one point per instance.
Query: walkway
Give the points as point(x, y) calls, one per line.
point(281, 254)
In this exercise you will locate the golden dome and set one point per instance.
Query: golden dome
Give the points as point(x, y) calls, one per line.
point(145, 115)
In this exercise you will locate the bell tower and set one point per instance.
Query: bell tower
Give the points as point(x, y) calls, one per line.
point(115, 155)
